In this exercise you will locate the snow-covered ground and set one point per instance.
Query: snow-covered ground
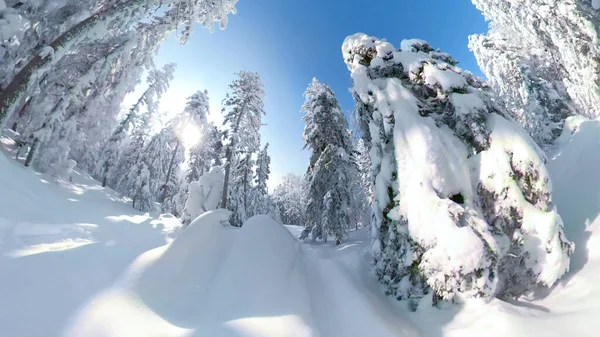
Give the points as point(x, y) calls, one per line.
point(77, 260)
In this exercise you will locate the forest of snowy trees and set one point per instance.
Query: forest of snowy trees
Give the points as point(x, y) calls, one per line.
point(447, 170)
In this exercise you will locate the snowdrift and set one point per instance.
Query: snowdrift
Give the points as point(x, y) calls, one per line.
point(61, 242)
point(212, 280)
point(258, 280)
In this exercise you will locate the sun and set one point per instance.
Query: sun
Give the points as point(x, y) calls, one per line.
point(191, 135)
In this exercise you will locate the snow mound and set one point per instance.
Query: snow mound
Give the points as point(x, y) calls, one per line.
point(262, 278)
point(189, 262)
point(214, 280)
point(575, 169)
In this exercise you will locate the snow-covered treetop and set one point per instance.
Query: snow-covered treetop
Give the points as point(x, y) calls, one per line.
point(197, 108)
point(325, 121)
point(158, 83)
point(244, 107)
point(369, 58)
point(205, 12)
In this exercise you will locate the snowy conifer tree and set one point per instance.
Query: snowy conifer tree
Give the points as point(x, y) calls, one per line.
point(243, 109)
point(331, 164)
point(261, 176)
point(290, 198)
point(541, 56)
point(142, 197)
point(196, 112)
point(240, 189)
point(163, 156)
point(260, 202)
point(363, 160)
point(158, 82)
point(530, 90)
point(448, 167)
point(68, 32)
point(175, 200)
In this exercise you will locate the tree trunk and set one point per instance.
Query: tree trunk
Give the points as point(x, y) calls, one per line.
point(165, 186)
point(228, 155)
point(105, 174)
point(20, 114)
point(20, 82)
point(34, 146)
point(246, 182)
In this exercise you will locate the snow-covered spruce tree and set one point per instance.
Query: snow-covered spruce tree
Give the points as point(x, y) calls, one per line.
point(273, 210)
point(196, 112)
point(361, 186)
point(526, 84)
point(552, 44)
point(158, 83)
point(108, 18)
point(174, 203)
point(261, 202)
point(290, 198)
point(124, 173)
point(163, 156)
point(261, 176)
point(59, 104)
point(243, 109)
point(331, 166)
point(30, 25)
point(197, 108)
point(142, 197)
point(239, 198)
point(462, 199)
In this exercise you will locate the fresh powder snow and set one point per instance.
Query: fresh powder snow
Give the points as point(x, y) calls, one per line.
point(435, 204)
point(82, 262)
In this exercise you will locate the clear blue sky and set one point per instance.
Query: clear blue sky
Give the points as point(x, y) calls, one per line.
point(288, 42)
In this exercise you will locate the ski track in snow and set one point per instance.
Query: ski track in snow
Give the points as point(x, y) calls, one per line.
point(76, 260)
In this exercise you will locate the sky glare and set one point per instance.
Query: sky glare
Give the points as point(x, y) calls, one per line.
point(290, 42)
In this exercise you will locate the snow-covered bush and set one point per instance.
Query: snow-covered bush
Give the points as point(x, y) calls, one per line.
point(203, 195)
point(462, 199)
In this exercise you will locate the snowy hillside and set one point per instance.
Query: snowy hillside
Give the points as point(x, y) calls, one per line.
point(78, 261)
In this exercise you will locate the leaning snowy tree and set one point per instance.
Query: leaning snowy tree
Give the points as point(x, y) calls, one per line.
point(158, 83)
point(195, 113)
point(332, 165)
point(462, 198)
point(108, 18)
point(243, 109)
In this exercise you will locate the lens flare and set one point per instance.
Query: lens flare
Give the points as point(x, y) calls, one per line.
point(191, 135)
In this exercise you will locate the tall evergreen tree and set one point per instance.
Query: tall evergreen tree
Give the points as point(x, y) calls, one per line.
point(240, 189)
point(142, 197)
point(196, 112)
point(158, 83)
point(261, 176)
point(243, 109)
point(331, 164)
